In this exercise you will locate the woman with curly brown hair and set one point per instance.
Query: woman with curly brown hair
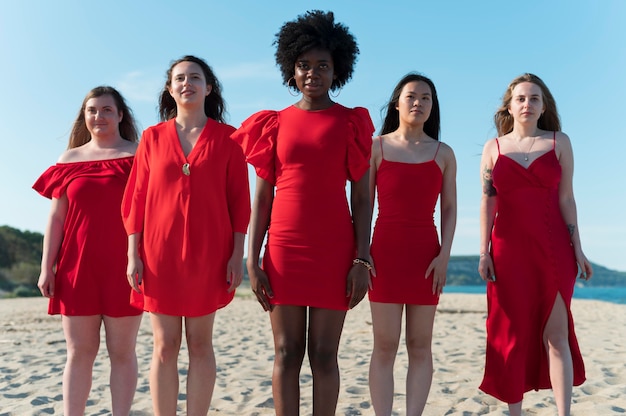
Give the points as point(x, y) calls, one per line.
point(316, 262)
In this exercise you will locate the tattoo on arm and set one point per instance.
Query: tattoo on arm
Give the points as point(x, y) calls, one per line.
point(571, 228)
point(488, 188)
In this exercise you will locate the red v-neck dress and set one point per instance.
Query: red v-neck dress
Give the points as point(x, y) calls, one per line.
point(533, 261)
point(187, 221)
point(309, 156)
point(405, 239)
point(90, 276)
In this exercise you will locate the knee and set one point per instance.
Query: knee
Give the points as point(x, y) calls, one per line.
point(385, 349)
point(289, 354)
point(200, 347)
point(82, 350)
point(322, 358)
point(166, 350)
point(419, 348)
point(557, 341)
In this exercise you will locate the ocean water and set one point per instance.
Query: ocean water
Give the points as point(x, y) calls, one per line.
point(613, 294)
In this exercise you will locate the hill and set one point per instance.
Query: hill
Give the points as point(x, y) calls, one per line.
point(20, 256)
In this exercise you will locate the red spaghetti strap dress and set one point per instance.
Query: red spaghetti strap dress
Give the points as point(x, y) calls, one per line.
point(91, 264)
point(187, 217)
point(309, 156)
point(405, 239)
point(533, 261)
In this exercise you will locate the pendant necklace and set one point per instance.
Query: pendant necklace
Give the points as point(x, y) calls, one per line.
point(529, 149)
point(187, 172)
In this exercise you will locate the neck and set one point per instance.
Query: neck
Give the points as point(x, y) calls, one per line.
point(412, 134)
point(521, 131)
point(106, 142)
point(190, 119)
point(315, 103)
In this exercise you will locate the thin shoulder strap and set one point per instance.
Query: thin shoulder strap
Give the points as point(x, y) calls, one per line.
point(380, 141)
point(438, 146)
point(554, 140)
point(498, 143)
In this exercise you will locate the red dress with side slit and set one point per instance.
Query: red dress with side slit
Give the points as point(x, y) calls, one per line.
point(405, 239)
point(187, 217)
point(533, 261)
point(90, 276)
point(309, 156)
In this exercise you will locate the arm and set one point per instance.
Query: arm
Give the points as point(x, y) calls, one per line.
point(448, 206)
point(234, 268)
point(134, 267)
point(374, 164)
point(567, 203)
point(52, 239)
point(488, 208)
point(259, 222)
point(359, 276)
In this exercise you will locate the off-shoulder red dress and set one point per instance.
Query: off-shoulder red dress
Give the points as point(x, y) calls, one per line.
point(533, 261)
point(405, 239)
point(309, 156)
point(91, 263)
point(187, 217)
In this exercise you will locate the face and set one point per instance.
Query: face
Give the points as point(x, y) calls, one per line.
point(102, 116)
point(415, 103)
point(314, 73)
point(526, 102)
point(188, 84)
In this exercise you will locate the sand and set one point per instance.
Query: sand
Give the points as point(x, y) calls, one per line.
point(32, 357)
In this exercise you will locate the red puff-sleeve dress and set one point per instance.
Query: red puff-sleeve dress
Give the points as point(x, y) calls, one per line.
point(90, 276)
point(309, 156)
point(187, 209)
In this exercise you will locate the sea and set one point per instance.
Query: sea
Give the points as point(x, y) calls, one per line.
point(613, 294)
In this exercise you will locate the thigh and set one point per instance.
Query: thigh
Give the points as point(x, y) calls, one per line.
point(419, 324)
point(288, 325)
point(121, 332)
point(166, 329)
point(386, 321)
point(325, 326)
point(82, 332)
point(199, 329)
point(557, 324)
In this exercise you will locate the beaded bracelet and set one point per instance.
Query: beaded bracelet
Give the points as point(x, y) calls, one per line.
point(364, 262)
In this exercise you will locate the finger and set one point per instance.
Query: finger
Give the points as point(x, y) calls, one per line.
point(373, 269)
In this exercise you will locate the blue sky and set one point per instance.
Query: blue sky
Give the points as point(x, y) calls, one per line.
point(55, 52)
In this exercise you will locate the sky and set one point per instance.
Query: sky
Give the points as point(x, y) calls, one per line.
point(53, 53)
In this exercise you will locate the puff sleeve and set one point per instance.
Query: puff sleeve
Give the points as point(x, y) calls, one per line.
point(360, 143)
point(257, 138)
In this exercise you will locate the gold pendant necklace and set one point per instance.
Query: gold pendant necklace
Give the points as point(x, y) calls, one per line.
point(186, 170)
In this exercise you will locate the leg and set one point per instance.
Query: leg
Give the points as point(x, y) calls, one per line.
point(167, 333)
point(202, 367)
point(325, 328)
point(289, 329)
point(82, 336)
point(419, 334)
point(556, 340)
point(121, 338)
point(515, 409)
point(387, 326)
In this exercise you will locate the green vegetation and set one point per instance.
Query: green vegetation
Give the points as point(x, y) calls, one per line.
point(20, 256)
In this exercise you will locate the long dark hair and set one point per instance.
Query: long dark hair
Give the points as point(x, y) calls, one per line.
point(127, 127)
point(214, 105)
point(549, 120)
point(391, 122)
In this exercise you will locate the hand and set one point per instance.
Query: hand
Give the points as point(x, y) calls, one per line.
point(134, 272)
point(46, 283)
point(358, 282)
point(485, 268)
point(234, 272)
point(586, 270)
point(438, 268)
point(260, 285)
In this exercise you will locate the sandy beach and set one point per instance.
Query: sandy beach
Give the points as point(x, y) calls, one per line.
point(32, 357)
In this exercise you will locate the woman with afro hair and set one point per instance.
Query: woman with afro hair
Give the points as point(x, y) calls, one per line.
point(316, 261)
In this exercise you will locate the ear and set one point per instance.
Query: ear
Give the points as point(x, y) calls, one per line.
point(209, 88)
point(121, 114)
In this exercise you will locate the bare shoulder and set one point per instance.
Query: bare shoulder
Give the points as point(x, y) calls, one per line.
point(72, 155)
point(376, 144)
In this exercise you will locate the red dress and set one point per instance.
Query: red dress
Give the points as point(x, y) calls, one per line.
point(533, 261)
point(187, 221)
point(309, 156)
point(90, 274)
point(405, 239)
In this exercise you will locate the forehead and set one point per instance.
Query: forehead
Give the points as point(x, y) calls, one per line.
point(527, 88)
point(187, 67)
point(101, 101)
point(316, 54)
point(416, 87)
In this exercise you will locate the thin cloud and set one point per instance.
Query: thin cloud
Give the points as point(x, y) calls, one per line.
point(139, 86)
